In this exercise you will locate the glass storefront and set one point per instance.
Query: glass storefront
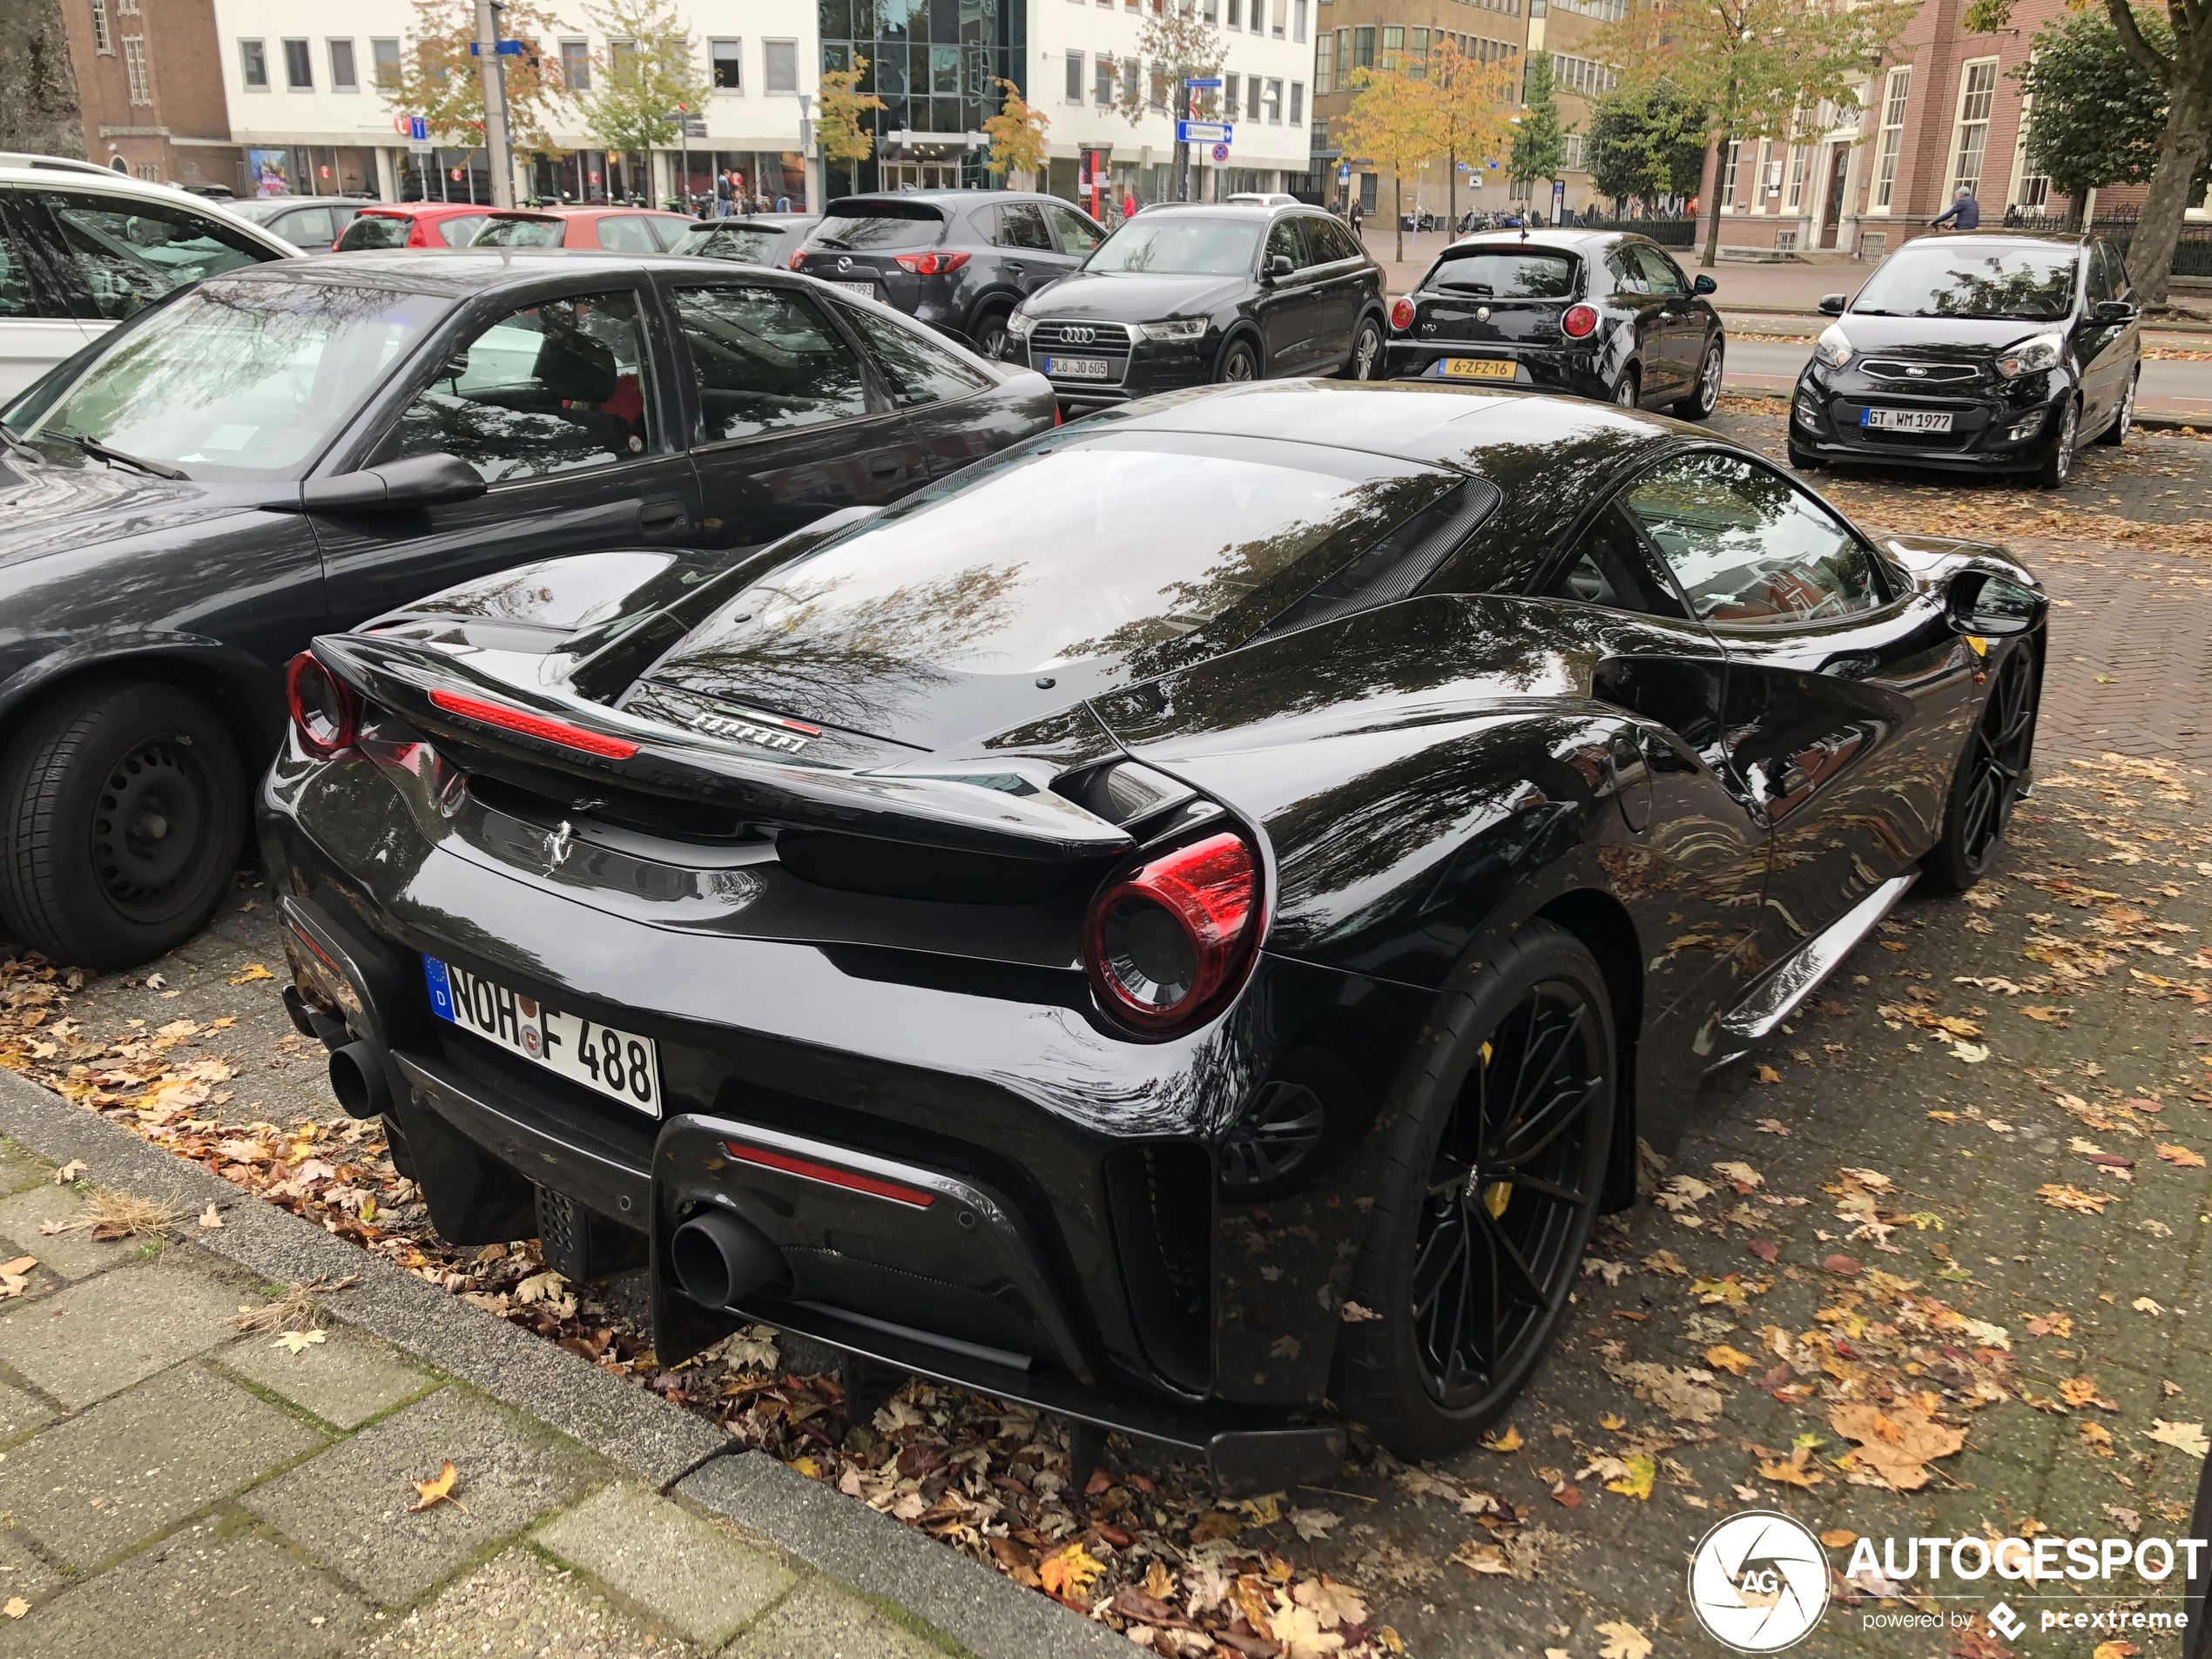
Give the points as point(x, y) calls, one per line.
point(775, 181)
point(307, 170)
point(933, 63)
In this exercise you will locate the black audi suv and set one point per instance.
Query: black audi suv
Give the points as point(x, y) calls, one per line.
point(1189, 294)
point(960, 261)
point(1986, 351)
point(1595, 313)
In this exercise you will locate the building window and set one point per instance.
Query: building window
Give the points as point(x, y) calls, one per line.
point(1362, 47)
point(1274, 103)
point(299, 66)
point(384, 61)
point(343, 76)
point(1298, 103)
point(1797, 199)
point(780, 66)
point(2030, 189)
point(1581, 75)
point(726, 64)
point(1895, 96)
point(1251, 97)
point(575, 65)
point(1728, 179)
point(1236, 14)
point(1101, 82)
point(1325, 56)
point(126, 8)
point(253, 65)
point(1211, 10)
point(622, 57)
point(101, 43)
point(1571, 155)
point(1393, 48)
point(134, 63)
point(1074, 77)
point(1282, 11)
point(1976, 91)
point(1231, 87)
point(1298, 19)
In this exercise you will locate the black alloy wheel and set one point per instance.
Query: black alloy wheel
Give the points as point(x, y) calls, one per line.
point(1478, 1232)
point(1705, 392)
point(1987, 785)
point(1366, 351)
point(990, 335)
point(2125, 420)
point(1238, 364)
point(2058, 466)
point(121, 812)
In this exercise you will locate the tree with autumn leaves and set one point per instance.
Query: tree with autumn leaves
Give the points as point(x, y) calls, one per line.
point(1447, 104)
point(437, 76)
point(1017, 131)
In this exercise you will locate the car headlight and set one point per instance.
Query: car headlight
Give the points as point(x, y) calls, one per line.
point(2032, 355)
point(1832, 348)
point(1019, 325)
point(1174, 328)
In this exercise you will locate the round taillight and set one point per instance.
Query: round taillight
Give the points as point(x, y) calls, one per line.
point(1579, 322)
point(1401, 313)
point(325, 715)
point(1165, 942)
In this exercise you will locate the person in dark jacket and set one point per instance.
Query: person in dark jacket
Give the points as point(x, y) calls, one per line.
point(1964, 212)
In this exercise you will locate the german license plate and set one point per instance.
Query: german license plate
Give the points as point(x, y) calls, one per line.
point(1477, 369)
point(866, 290)
point(1078, 368)
point(615, 1063)
point(1907, 420)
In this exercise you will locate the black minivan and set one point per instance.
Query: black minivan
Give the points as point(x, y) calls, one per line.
point(958, 259)
point(1979, 352)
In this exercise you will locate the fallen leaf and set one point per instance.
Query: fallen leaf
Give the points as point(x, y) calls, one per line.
point(1795, 1470)
point(1769, 1075)
point(250, 973)
point(1568, 1496)
point(1721, 1356)
point(1765, 1249)
point(211, 1218)
point(1311, 1524)
point(1613, 1420)
point(2144, 1304)
point(1665, 1261)
point(16, 1607)
point(2182, 1158)
point(1624, 1641)
point(1973, 1053)
point(19, 1266)
point(2082, 1391)
point(2097, 1438)
point(2070, 1198)
point(2113, 1650)
point(1840, 1538)
point(1071, 1572)
point(1743, 1174)
point(297, 1341)
point(1507, 1440)
point(1896, 1445)
point(1842, 1266)
point(1354, 1314)
point(430, 1494)
point(1636, 1484)
point(2128, 1520)
point(2183, 1437)
point(68, 1172)
point(1772, 1126)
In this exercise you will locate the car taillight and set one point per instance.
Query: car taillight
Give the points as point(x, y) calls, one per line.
point(798, 259)
point(534, 725)
point(1578, 321)
point(326, 715)
point(931, 263)
point(1165, 942)
point(1401, 313)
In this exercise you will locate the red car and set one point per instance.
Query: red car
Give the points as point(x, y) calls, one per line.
point(412, 224)
point(618, 230)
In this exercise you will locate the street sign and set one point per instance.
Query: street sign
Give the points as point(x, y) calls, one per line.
point(504, 49)
point(418, 130)
point(1212, 83)
point(694, 126)
point(1203, 131)
point(1558, 200)
point(1344, 173)
point(1221, 152)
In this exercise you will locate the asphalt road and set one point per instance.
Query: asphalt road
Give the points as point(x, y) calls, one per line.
point(2182, 389)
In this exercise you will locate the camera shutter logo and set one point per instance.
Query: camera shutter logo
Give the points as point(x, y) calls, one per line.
point(1758, 1583)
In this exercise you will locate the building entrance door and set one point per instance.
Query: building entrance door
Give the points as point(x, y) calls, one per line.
point(920, 175)
point(1832, 207)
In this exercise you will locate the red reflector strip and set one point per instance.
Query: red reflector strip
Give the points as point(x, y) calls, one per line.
point(300, 934)
point(830, 1175)
point(534, 725)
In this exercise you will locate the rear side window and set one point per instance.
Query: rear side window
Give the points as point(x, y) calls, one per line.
point(1021, 225)
point(310, 227)
point(520, 233)
point(849, 227)
point(1659, 271)
point(460, 230)
point(741, 244)
point(132, 252)
point(765, 360)
point(627, 233)
point(373, 231)
point(919, 372)
point(1506, 273)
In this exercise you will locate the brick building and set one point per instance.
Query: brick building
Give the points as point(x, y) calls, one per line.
point(149, 86)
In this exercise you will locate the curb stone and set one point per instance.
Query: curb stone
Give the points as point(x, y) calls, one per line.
point(664, 1446)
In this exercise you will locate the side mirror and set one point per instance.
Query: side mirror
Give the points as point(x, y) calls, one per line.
point(419, 481)
point(1280, 267)
point(1832, 304)
point(1991, 606)
point(2110, 313)
point(1703, 284)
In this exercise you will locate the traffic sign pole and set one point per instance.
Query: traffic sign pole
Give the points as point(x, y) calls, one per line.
point(492, 67)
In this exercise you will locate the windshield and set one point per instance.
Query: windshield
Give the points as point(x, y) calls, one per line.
point(1935, 279)
point(1501, 275)
point(1183, 247)
point(520, 233)
point(861, 226)
point(240, 380)
point(745, 245)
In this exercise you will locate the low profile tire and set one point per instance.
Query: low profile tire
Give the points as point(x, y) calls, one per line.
point(1803, 460)
point(1496, 1173)
point(990, 334)
point(1365, 361)
point(2125, 420)
point(1705, 393)
point(121, 810)
point(2058, 466)
point(1239, 363)
point(1986, 783)
point(1625, 390)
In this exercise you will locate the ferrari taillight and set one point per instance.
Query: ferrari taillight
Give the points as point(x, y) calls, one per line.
point(1401, 313)
point(1579, 322)
point(326, 715)
point(543, 728)
point(1164, 943)
point(931, 263)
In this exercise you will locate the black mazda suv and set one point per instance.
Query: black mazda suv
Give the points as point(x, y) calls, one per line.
point(1982, 353)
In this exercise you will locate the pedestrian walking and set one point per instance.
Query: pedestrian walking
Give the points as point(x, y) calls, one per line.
point(1129, 205)
point(1358, 219)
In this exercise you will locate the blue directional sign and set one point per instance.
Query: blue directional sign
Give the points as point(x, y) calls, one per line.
point(1212, 82)
point(505, 49)
point(418, 130)
point(1203, 131)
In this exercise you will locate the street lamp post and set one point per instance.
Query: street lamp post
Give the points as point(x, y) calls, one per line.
point(491, 66)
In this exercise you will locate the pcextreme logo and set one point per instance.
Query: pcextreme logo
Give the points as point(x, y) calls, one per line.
point(1758, 1581)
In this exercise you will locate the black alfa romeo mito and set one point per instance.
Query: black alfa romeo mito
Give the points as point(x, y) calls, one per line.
point(1184, 920)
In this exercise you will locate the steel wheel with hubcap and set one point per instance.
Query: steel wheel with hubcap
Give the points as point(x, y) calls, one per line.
point(1986, 783)
point(2059, 464)
point(1478, 1232)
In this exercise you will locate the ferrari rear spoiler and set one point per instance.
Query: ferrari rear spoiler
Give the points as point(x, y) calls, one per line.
point(551, 729)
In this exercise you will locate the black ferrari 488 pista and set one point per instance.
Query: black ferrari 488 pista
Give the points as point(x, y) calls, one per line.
point(1184, 923)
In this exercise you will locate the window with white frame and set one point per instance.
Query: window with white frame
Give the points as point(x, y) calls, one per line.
point(299, 66)
point(1582, 75)
point(726, 64)
point(1282, 12)
point(1251, 97)
point(575, 65)
point(344, 77)
point(1298, 19)
point(1325, 63)
point(1571, 153)
point(780, 66)
point(134, 65)
point(1298, 103)
point(2030, 188)
point(1977, 91)
point(1075, 92)
point(1795, 199)
point(384, 61)
point(1728, 179)
point(1231, 87)
point(1274, 103)
point(1895, 94)
point(1101, 82)
point(101, 43)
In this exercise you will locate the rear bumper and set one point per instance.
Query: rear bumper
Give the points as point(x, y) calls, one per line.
point(1577, 374)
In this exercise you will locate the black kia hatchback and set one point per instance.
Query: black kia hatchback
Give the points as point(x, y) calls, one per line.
point(1983, 353)
point(1595, 313)
point(1185, 294)
point(958, 259)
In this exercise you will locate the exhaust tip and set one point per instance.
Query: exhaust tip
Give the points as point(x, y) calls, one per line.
point(718, 1258)
point(357, 1078)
